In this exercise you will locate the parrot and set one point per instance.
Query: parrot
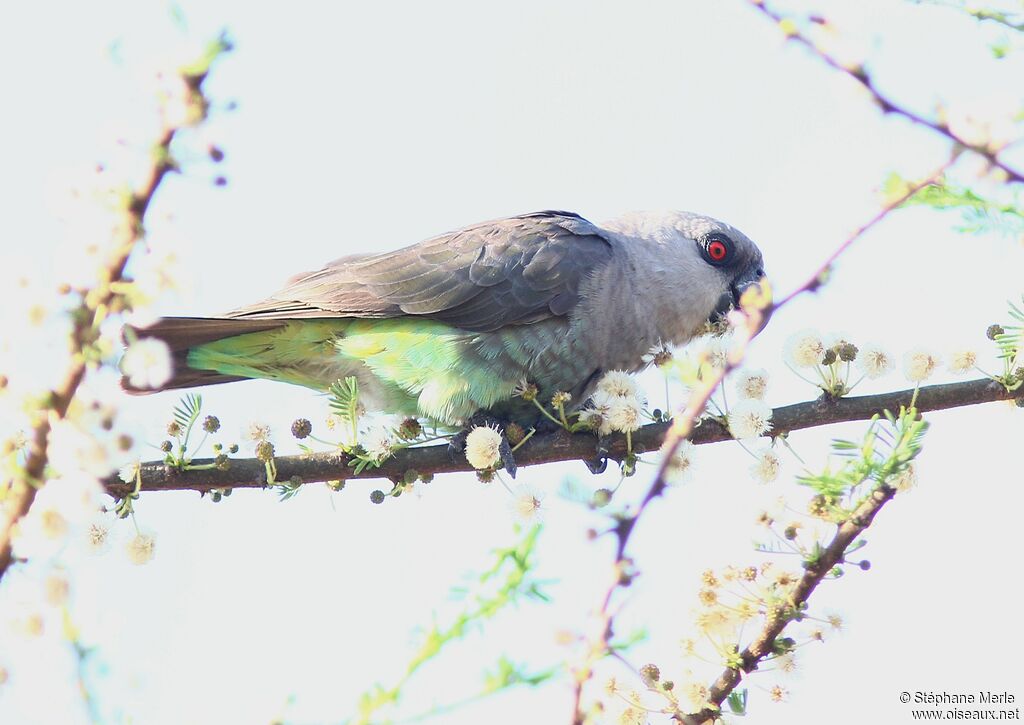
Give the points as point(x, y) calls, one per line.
point(451, 328)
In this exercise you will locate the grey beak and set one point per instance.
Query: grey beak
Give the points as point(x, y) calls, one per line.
point(748, 278)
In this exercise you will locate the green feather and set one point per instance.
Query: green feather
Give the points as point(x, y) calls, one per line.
point(404, 366)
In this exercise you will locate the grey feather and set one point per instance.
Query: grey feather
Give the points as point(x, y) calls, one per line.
point(511, 271)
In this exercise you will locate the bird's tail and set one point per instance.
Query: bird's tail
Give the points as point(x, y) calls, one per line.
point(182, 334)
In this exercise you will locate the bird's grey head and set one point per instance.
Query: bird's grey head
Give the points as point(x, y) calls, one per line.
point(722, 257)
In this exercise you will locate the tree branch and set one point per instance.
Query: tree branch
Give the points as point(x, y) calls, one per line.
point(778, 618)
point(1006, 19)
point(95, 305)
point(557, 446)
point(748, 322)
point(860, 74)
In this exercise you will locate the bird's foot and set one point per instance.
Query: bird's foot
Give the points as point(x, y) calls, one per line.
point(457, 443)
point(508, 461)
point(599, 463)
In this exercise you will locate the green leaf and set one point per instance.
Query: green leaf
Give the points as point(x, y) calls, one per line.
point(345, 398)
point(345, 403)
point(501, 585)
point(979, 215)
point(885, 450)
point(186, 413)
point(737, 702)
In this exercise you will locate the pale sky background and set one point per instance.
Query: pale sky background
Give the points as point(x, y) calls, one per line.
point(369, 126)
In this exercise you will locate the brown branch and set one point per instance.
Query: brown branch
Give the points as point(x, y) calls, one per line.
point(982, 14)
point(683, 427)
point(553, 447)
point(858, 73)
point(778, 618)
point(752, 319)
point(938, 396)
point(90, 312)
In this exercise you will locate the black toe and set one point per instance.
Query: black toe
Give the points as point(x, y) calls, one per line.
point(508, 461)
point(456, 445)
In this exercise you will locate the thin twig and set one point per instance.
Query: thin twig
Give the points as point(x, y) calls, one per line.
point(679, 430)
point(778, 618)
point(982, 14)
point(860, 74)
point(750, 322)
point(86, 318)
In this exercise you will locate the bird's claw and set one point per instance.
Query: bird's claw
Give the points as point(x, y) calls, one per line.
point(599, 463)
point(508, 461)
point(457, 443)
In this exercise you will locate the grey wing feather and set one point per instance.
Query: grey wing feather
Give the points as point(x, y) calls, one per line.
point(505, 272)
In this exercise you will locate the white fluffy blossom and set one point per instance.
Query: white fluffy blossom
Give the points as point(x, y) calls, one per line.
point(616, 405)
point(129, 472)
point(482, 447)
point(766, 467)
point(52, 523)
point(29, 624)
point(618, 384)
point(919, 364)
point(596, 413)
point(141, 548)
point(715, 350)
point(874, 361)
point(378, 442)
point(593, 418)
point(680, 466)
point(147, 363)
point(962, 361)
point(989, 119)
point(258, 432)
point(526, 504)
point(695, 696)
point(625, 415)
point(752, 383)
point(80, 447)
point(58, 513)
point(56, 589)
point(632, 715)
point(750, 418)
point(97, 533)
point(602, 402)
point(804, 349)
point(905, 480)
point(786, 663)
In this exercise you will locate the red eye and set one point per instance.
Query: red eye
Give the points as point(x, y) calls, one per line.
point(717, 251)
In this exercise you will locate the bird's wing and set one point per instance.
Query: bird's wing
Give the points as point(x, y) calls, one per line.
point(505, 272)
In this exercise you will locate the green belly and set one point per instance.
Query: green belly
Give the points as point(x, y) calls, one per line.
point(404, 365)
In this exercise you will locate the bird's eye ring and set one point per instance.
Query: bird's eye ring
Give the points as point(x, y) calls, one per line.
point(718, 249)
